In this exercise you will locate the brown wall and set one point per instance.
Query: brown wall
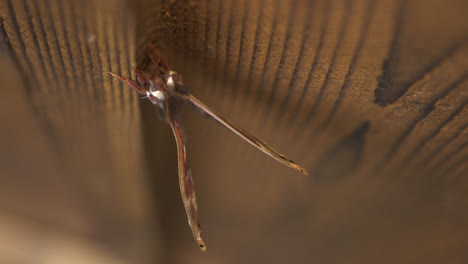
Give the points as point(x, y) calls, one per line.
point(370, 96)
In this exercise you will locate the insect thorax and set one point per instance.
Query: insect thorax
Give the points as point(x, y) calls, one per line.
point(174, 83)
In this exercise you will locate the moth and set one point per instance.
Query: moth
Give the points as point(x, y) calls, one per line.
point(165, 89)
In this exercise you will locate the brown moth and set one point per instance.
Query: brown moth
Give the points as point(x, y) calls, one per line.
point(165, 89)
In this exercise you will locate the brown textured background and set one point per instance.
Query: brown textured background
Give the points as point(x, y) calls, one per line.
point(370, 96)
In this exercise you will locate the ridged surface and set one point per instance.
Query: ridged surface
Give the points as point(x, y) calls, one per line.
point(370, 96)
point(86, 129)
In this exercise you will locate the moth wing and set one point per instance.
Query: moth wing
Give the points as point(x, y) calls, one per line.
point(186, 184)
point(254, 141)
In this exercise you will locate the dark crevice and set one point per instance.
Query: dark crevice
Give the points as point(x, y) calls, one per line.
point(109, 65)
point(129, 39)
point(97, 94)
point(229, 40)
point(357, 54)
point(314, 108)
point(256, 50)
point(433, 154)
point(58, 88)
point(241, 52)
point(28, 78)
point(36, 44)
point(269, 56)
point(118, 60)
point(384, 87)
point(300, 58)
point(67, 44)
point(218, 41)
point(389, 89)
point(97, 56)
point(315, 62)
point(56, 42)
point(436, 131)
point(448, 158)
point(80, 59)
point(281, 65)
point(25, 72)
point(343, 158)
point(208, 30)
point(425, 111)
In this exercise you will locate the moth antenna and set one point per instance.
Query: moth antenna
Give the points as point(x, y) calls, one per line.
point(132, 84)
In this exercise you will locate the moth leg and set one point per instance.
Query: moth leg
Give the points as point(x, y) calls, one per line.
point(156, 57)
point(132, 84)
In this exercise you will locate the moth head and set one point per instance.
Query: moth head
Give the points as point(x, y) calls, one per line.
point(156, 93)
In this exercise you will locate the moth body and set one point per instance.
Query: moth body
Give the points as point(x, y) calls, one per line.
point(165, 89)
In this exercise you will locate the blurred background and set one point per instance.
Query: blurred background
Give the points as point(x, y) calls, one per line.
point(369, 95)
